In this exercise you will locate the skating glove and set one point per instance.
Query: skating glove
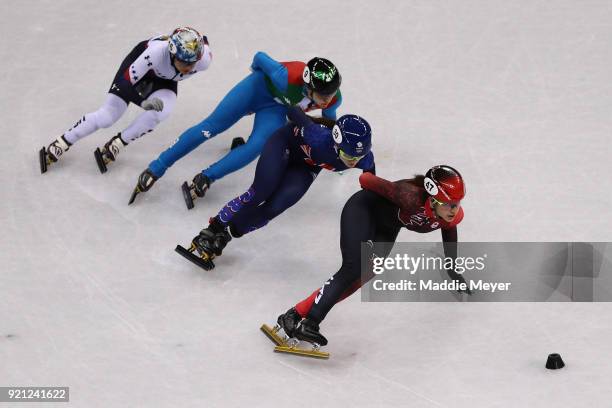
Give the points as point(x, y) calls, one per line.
point(155, 104)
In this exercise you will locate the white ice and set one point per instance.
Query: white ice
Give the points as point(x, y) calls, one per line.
point(515, 94)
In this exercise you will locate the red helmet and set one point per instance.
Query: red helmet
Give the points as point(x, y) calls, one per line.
point(444, 184)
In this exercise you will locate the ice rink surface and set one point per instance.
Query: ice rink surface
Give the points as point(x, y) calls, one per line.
point(516, 95)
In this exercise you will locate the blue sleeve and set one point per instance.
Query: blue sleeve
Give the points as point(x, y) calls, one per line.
point(273, 69)
point(319, 138)
point(330, 111)
point(367, 164)
point(297, 116)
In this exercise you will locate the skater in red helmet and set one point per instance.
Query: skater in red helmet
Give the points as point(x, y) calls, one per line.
point(377, 213)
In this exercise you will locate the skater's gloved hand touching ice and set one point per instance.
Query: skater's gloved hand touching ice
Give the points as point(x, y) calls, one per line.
point(155, 104)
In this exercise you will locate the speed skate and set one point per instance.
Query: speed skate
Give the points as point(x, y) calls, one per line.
point(203, 261)
point(284, 344)
point(102, 161)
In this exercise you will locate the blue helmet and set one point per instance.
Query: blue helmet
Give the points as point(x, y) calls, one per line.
point(353, 135)
point(186, 45)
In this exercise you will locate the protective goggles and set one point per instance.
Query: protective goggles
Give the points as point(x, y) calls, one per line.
point(450, 204)
point(349, 158)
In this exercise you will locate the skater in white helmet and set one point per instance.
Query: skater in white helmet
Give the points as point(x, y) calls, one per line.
point(147, 77)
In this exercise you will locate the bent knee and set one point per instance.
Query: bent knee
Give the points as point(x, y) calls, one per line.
point(106, 117)
point(252, 148)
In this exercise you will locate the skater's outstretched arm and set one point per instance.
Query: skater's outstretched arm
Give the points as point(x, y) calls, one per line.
point(392, 191)
point(449, 242)
point(273, 69)
point(328, 123)
point(297, 116)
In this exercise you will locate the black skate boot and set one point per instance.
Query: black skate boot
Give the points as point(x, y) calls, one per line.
point(52, 153)
point(145, 182)
point(201, 183)
point(289, 321)
point(109, 152)
point(208, 245)
point(211, 244)
point(309, 331)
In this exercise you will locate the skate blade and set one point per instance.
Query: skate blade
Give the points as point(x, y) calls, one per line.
point(206, 264)
point(313, 353)
point(272, 333)
point(42, 158)
point(100, 161)
point(133, 196)
point(187, 195)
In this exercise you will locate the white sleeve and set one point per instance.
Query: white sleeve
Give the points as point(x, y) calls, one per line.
point(206, 59)
point(145, 61)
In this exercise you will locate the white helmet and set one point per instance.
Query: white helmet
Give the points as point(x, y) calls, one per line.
point(186, 45)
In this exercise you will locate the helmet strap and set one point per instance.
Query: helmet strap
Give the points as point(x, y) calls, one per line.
point(434, 205)
point(173, 60)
